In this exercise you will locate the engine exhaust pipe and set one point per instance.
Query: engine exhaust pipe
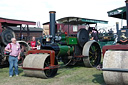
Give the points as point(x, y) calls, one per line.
point(127, 11)
point(117, 27)
point(52, 25)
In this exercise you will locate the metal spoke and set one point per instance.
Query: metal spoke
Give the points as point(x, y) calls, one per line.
point(90, 52)
point(93, 54)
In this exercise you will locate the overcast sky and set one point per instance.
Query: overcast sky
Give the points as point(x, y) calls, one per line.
point(38, 10)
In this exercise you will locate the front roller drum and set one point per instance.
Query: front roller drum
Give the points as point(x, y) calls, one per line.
point(37, 65)
point(92, 54)
point(116, 67)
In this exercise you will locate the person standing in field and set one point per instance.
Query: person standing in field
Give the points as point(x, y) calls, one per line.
point(33, 43)
point(14, 55)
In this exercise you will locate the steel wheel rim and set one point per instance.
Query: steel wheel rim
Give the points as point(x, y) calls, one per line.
point(94, 54)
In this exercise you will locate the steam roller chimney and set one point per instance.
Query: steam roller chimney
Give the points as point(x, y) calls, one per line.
point(117, 27)
point(52, 25)
point(127, 12)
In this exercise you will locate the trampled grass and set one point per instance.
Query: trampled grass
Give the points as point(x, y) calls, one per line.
point(65, 76)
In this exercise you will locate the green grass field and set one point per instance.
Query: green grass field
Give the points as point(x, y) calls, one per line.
point(65, 76)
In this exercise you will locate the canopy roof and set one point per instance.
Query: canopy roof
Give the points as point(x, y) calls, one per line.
point(32, 29)
point(14, 22)
point(118, 13)
point(78, 20)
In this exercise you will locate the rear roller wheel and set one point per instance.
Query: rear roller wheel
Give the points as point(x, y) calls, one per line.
point(3, 57)
point(6, 36)
point(24, 48)
point(92, 54)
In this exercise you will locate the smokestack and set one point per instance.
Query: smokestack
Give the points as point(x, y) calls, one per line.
point(127, 12)
point(117, 27)
point(52, 25)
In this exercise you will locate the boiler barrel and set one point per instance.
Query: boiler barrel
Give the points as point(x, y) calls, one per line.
point(65, 51)
point(115, 60)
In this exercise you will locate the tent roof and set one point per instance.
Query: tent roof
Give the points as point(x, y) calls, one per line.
point(118, 13)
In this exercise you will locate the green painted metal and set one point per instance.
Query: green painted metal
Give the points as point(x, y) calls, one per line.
point(65, 50)
point(105, 43)
point(63, 38)
point(71, 40)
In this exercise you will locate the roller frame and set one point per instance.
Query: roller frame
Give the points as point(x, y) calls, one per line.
point(40, 69)
point(114, 47)
point(52, 59)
